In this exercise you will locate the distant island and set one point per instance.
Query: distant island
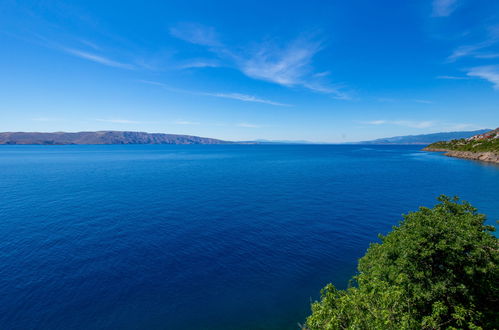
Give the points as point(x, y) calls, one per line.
point(103, 137)
point(484, 146)
point(425, 138)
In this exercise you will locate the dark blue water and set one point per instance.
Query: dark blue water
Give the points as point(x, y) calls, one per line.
point(202, 237)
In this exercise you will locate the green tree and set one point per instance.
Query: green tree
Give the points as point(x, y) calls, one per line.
point(437, 270)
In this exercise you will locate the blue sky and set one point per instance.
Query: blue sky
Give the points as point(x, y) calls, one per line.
point(328, 71)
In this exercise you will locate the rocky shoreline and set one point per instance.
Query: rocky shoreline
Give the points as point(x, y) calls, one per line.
point(482, 156)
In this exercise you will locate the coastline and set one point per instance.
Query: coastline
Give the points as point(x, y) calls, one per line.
point(490, 157)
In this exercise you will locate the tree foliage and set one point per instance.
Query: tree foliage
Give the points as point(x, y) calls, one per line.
point(437, 270)
point(485, 145)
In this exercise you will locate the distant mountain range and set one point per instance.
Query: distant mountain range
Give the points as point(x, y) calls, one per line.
point(426, 138)
point(102, 137)
point(262, 141)
point(128, 137)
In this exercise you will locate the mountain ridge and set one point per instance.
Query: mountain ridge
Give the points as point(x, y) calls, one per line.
point(424, 139)
point(102, 137)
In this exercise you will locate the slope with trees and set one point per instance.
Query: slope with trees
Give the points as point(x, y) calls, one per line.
point(479, 147)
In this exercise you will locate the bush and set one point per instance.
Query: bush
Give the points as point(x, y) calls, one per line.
point(485, 145)
point(436, 270)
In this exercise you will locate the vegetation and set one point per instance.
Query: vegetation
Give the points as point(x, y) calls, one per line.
point(488, 143)
point(491, 145)
point(437, 270)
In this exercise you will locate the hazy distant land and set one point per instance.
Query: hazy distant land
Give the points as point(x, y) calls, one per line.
point(130, 137)
point(426, 138)
point(103, 137)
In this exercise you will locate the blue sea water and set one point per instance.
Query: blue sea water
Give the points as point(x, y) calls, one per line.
point(206, 236)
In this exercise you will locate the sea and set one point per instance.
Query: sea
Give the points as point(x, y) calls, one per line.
point(203, 236)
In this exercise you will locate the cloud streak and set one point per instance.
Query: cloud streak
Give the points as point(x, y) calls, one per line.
point(199, 64)
point(476, 50)
point(452, 77)
point(287, 65)
point(405, 123)
point(424, 124)
point(196, 34)
point(119, 121)
point(185, 122)
point(489, 73)
point(233, 96)
point(443, 8)
point(467, 50)
point(46, 119)
point(40, 40)
point(392, 100)
point(97, 59)
point(423, 101)
point(247, 125)
point(245, 98)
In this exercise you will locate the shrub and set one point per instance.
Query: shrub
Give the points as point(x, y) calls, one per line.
point(436, 270)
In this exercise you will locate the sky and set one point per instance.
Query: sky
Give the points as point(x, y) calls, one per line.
point(323, 71)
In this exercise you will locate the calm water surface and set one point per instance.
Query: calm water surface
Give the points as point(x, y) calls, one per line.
point(202, 237)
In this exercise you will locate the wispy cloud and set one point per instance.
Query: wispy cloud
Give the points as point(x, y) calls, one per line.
point(335, 90)
point(414, 124)
point(322, 74)
point(234, 96)
point(459, 127)
point(288, 65)
point(466, 50)
point(452, 77)
point(423, 101)
point(156, 83)
point(97, 58)
point(247, 125)
point(443, 8)
point(245, 98)
point(196, 34)
point(386, 99)
point(119, 121)
point(375, 122)
point(201, 63)
point(186, 122)
point(489, 72)
point(43, 41)
point(392, 100)
point(45, 119)
point(405, 123)
point(487, 55)
point(444, 126)
point(89, 44)
point(477, 50)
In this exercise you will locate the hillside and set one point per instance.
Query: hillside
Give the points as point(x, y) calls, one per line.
point(484, 146)
point(102, 137)
point(488, 141)
point(426, 138)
